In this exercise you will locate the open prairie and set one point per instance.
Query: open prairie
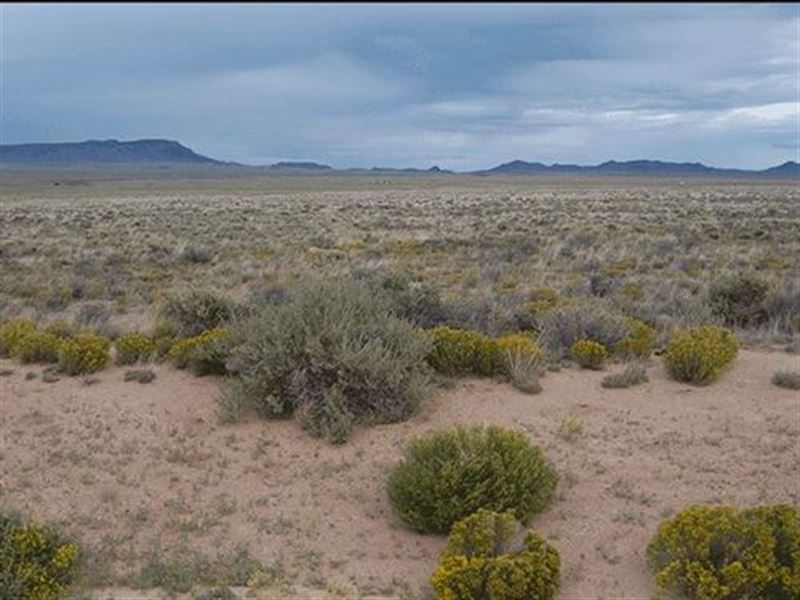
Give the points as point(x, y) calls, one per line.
point(652, 246)
point(165, 497)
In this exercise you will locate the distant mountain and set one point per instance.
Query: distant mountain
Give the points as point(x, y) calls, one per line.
point(787, 169)
point(432, 170)
point(102, 151)
point(301, 166)
point(637, 167)
point(172, 155)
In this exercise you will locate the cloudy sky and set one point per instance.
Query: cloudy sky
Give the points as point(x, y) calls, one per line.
point(460, 86)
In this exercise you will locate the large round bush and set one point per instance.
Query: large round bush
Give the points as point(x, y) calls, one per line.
point(699, 355)
point(333, 355)
point(451, 474)
point(722, 553)
point(490, 557)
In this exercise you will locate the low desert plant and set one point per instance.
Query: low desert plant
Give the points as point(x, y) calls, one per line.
point(634, 374)
point(490, 557)
point(739, 300)
point(639, 341)
point(787, 379)
point(700, 354)
point(62, 329)
point(133, 347)
point(83, 354)
point(37, 347)
point(11, 332)
point(517, 345)
point(461, 352)
point(451, 474)
point(194, 311)
point(563, 327)
point(140, 375)
point(333, 355)
point(722, 553)
point(203, 354)
point(36, 562)
point(589, 354)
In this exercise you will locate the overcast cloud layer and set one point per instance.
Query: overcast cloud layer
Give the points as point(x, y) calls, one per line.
point(460, 86)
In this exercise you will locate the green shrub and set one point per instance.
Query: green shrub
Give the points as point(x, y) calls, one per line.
point(36, 563)
point(460, 352)
point(11, 332)
point(639, 341)
point(203, 354)
point(699, 355)
point(589, 354)
point(739, 300)
point(451, 474)
point(489, 557)
point(721, 553)
point(133, 347)
point(195, 311)
point(332, 354)
point(37, 347)
point(83, 354)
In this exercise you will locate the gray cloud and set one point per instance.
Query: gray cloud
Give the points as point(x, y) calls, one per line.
point(462, 86)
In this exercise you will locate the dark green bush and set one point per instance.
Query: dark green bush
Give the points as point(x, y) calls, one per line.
point(332, 354)
point(490, 557)
point(195, 311)
point(739, 300)
point(722, 553)
point(36, 563)
point(451, 474)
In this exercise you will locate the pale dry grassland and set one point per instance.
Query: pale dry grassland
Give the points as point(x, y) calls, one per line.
point(161, 495)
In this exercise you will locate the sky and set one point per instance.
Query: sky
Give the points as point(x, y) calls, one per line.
point(411, 85)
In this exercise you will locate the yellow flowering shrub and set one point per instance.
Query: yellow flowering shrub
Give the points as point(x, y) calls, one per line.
point(133, 347)
point(83, 354)
point(699, 355)
point(459, 352)
point(37, 347)
point(35, 563)
point(518, 344)
point(482, 561)
point(589, 354)
point(639, 342)
point(11, 332)
point(722, 553)
point(204, 354)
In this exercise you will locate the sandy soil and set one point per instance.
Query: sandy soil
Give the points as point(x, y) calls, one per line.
point(123, 465)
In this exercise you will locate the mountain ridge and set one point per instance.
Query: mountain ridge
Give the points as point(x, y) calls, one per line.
point(164, 151)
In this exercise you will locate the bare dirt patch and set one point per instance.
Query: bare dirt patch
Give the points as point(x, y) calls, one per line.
point(129, 468)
